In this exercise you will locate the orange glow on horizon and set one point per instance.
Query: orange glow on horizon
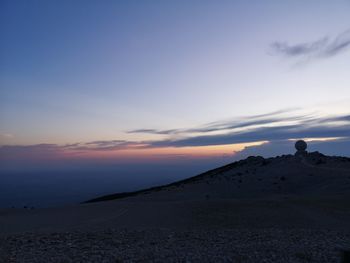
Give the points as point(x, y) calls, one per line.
point(164, 152)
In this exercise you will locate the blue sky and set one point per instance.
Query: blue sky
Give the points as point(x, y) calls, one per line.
point(87, 71)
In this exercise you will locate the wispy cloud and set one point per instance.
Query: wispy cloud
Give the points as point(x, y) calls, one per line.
point(273, 127)
point(241, 122)
point(111, 145)
point(301, 49)
point(259, 134)
point(154, 131)
point(321, 48)
point(6, 135)
point(48, 152)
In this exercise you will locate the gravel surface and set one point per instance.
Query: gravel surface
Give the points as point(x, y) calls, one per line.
point(166, 245)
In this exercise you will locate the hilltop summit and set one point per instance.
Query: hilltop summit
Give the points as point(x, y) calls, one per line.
point(306, 174)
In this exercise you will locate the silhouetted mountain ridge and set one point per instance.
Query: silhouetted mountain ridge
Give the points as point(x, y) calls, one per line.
point(257, 177)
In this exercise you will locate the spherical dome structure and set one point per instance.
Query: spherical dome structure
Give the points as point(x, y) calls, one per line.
point(300, 145)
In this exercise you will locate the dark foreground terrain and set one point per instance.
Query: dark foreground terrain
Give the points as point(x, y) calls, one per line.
point(166, 245)
point(282, 209)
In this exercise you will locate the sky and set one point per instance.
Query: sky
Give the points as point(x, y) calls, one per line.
point(158, 81)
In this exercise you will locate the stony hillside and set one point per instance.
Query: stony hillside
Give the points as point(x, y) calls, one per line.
point(312, 174)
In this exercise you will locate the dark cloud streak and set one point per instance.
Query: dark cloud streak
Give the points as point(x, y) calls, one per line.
point(243, 122)
point(321, 48)
point(260, 134)
point(299, 49)
point(265, 128)
point(154, 131)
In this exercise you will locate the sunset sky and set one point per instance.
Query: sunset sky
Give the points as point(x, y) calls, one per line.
point(130, 80)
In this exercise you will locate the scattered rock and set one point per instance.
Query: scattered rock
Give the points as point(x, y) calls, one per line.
point(165, 245)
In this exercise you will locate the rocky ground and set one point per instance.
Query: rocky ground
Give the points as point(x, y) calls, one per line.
point(166, 245)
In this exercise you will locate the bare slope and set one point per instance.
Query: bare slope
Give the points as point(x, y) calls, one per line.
point(312, 175)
